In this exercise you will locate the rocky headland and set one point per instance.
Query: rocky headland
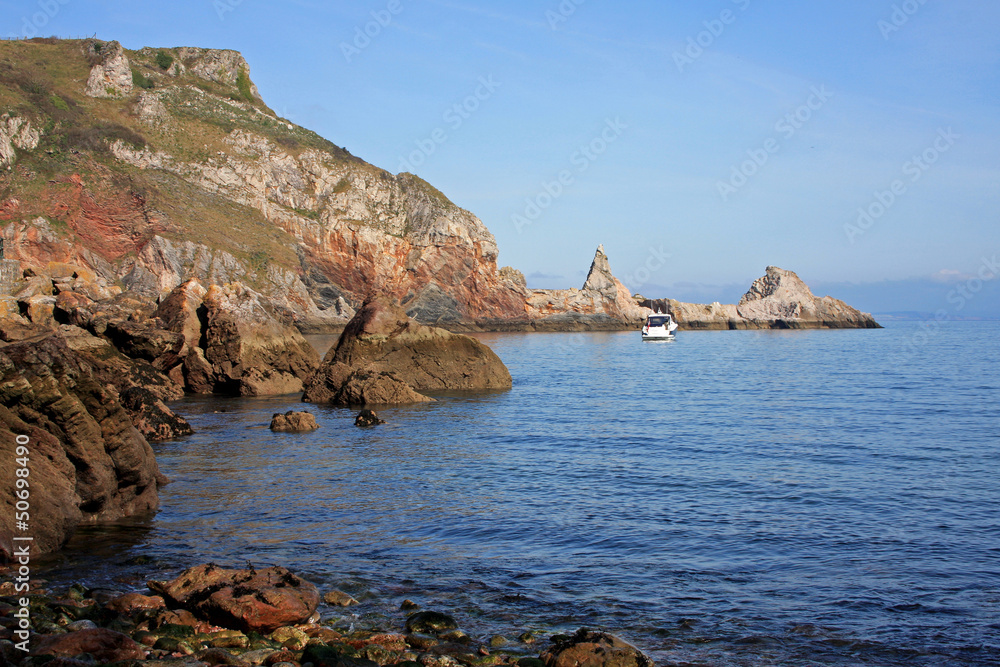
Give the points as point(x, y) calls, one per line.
point(87, 375)
point(148, 168)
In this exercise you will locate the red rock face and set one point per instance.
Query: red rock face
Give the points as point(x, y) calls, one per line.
point(251, 600)
point(106, 221)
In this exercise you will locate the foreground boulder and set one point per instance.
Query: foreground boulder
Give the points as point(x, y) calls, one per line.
point(594, 649)
point(248, 600)
point(87, 460)
point(383, 356)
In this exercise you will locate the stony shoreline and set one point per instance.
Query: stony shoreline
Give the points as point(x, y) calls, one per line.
point(210, 615)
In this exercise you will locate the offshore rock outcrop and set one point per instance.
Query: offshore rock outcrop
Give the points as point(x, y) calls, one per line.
point(777, 300)
point(385, 357)
point(603, 303)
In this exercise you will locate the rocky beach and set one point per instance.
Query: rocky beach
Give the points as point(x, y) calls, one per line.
point(210, 615)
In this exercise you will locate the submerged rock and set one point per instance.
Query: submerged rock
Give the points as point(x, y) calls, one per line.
point(104, 645)
point(339, 598)
point(430, 622)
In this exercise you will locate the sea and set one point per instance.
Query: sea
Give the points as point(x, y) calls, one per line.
point(726, 498)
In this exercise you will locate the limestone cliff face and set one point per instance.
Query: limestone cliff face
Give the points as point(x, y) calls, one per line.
point(360, 231)
point(16, 132)
point(777, 300)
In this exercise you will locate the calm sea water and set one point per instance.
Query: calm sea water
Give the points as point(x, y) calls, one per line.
point(733, 498)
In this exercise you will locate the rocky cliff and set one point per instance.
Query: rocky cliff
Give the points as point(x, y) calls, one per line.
point(777, 300)
point(155, 166)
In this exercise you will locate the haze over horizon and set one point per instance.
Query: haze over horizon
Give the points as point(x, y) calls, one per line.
point(853, 142)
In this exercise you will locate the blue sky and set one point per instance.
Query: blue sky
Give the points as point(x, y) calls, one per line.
point(699, 142)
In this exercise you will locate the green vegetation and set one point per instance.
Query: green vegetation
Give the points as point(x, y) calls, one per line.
point(58, 102)
point(243, 83)
point(258, 261)
point(425, 187)
point(141, 80)
point(307, 213)
point(343, 185)
point(164, 60)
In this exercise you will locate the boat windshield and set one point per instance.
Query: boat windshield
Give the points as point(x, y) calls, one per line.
point(658, 321)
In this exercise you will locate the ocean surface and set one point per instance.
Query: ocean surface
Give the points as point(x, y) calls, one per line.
point(727, 498)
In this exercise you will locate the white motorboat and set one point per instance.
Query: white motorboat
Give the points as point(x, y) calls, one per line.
point(659, 327)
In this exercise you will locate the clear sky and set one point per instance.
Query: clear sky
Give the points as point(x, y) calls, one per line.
point(698, 141)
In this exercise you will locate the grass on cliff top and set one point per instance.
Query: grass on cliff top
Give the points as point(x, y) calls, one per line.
point(44, 80)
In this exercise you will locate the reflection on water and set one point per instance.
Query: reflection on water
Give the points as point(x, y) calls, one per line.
point(734, 497)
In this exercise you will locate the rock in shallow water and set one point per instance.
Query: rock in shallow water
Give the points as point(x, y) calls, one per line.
point(339, 599)
point(383, 356)
point(294, 422)
point(430, 622)
point(367, 418)
point(250, 600)
point(104, 645)
point(594, 649)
